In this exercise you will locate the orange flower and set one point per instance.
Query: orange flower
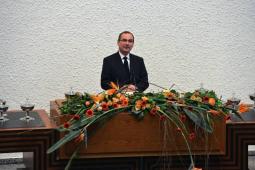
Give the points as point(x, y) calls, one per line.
point(101, 96)
point(168, 94)
point(148, 105)
point(214, 112)
point(109, 103)
point(89, 113)
point(79, 138)
point(138, 104)
point(243, 108)
point(66, 125)
point(122, 98)
point(115, 100)
point(124, 103)
point(114, 86)
point(196, 98)
point(111, 91)
point(211, 101)
point(97, 98)
point(118, 95)
point(144, 103)
point(144, 98)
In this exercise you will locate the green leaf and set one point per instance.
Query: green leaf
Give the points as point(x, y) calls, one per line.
point(211, 94)
point(175, 107)
point(62, 129)
point(188, 95)
point(199, 120)
point(80, 123)
point(74, 155)
point(109, 112)
point(159, 100)
point(68, 137)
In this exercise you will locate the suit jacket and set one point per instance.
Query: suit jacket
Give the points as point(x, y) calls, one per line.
point(113, 70)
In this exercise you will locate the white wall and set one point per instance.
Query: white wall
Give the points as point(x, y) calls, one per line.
point(48, 46)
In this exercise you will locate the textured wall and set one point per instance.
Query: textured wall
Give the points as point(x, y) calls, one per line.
point(48, 46)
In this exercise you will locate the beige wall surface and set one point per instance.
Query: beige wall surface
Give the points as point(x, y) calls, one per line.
point(48, 46)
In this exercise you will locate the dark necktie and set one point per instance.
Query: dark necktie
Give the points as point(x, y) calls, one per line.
point(127, 70)
point(126, 64)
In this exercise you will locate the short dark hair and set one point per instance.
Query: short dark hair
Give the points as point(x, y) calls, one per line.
point(126, 32)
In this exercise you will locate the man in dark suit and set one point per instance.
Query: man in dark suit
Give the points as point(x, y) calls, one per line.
point(124, 68)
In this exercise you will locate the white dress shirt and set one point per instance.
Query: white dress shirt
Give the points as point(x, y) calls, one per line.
point(122, 59)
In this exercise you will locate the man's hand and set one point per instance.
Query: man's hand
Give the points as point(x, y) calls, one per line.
point(131, 88)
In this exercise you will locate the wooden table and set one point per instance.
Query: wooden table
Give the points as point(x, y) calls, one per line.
point(33, 141)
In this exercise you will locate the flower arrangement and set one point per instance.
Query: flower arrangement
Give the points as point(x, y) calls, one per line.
point(198, 109)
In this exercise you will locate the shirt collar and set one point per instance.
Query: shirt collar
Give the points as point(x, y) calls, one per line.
point(122, 56)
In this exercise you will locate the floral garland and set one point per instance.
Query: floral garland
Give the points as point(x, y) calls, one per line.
point(201, 108)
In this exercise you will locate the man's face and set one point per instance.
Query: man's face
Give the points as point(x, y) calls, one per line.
point(126, 43)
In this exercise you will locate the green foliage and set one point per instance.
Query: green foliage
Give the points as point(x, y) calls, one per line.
point(68, 137)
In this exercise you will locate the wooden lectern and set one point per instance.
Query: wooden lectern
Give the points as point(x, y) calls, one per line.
point(127, 144)
point(125, 136)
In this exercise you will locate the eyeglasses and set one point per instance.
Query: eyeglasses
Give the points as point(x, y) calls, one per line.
point(125, 40)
